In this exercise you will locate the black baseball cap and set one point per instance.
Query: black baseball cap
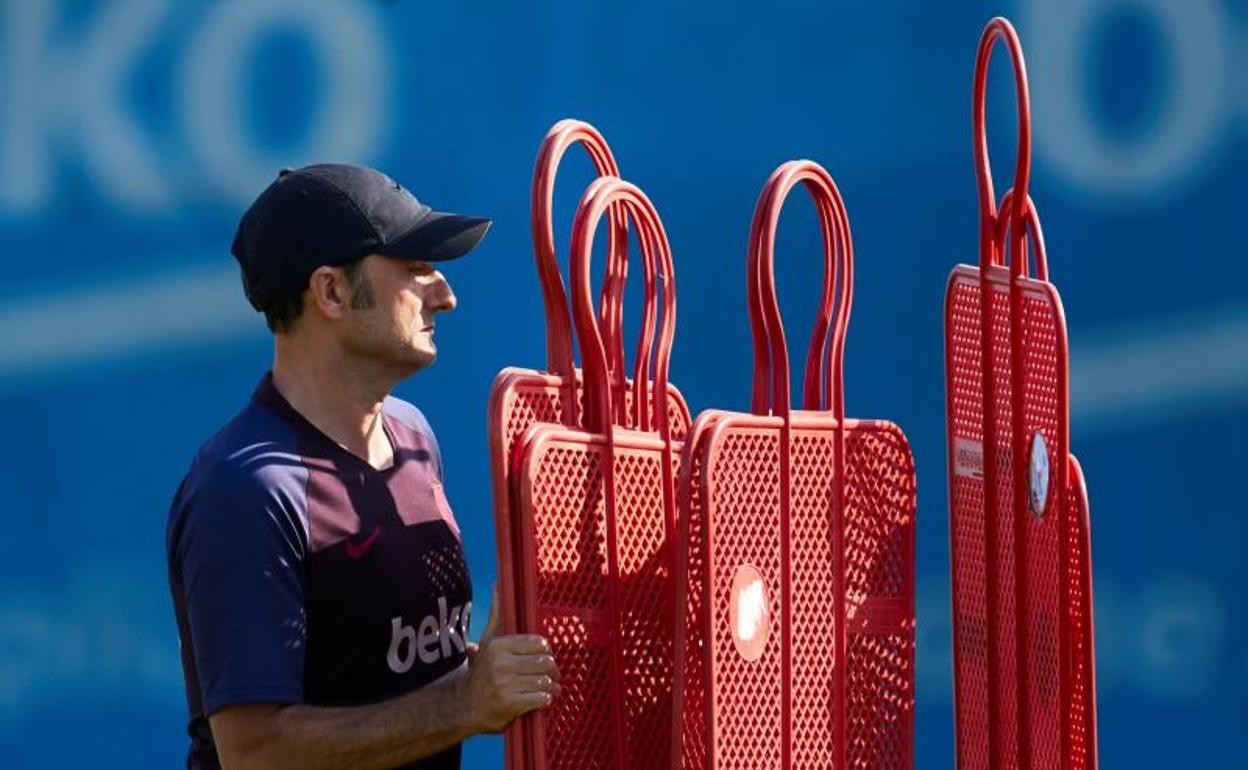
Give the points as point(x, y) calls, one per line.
point(333, 214)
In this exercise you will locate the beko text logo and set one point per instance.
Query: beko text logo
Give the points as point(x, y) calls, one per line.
point(434, 638)
point(67, 94)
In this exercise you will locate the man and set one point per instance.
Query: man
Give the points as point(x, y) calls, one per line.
point(317, 573)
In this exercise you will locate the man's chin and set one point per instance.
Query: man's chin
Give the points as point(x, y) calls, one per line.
point(423, 357)
point(411, 358)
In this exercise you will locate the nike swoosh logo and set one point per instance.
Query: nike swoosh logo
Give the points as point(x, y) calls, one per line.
point(358, 550)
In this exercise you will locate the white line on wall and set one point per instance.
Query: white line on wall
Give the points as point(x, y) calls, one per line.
point(1187, 364)
point(85, 325)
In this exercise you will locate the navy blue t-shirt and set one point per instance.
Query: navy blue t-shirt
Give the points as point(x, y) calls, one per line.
point(301, 574)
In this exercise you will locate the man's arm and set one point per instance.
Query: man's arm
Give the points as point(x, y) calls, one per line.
point(508, 676)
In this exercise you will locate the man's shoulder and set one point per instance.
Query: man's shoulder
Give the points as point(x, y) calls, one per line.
point(414, 420)
point(248, 475)
point(407, 413)
point(254, 453)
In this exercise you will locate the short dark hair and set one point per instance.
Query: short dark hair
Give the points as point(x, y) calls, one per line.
point(280, 315)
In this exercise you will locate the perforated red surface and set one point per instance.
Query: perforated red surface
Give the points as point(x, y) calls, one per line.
point(813, 564)
point(879, 525)
point(792, 524)
point(561, 510)
point(561, 507)
point(645, 562)
point(1025, 577)
point(1044, 397)
point(691, 677)
point(968, 535)
point(520, 400)
point(1020, 565)
point(524, 398)
point(984, 589)
point(743, 523)
point(730, 514)
point(1082, 717)
point(594, 524)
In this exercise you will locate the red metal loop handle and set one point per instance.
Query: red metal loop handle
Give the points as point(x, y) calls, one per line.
point(824, 363)
point(559, 355)
point(825, 382)
point(994, 227)
point(814, 392)
point(605, 195)
point(1000, 28)
point(1032, 219)
point(771, 351)
point(760, 391)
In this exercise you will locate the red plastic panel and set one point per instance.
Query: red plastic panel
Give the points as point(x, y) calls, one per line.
point(730, 516)
point(1002, 509)
point(813, 564)
point(974, 667)
point(969, 560)
point(1044, 394)
point(1020, 568)
point(880, 503)
point(743, 530)
point(797, 534)
point(644, 561)
point(1082, 714)
point(519, 400)
point(563, 540)
point(691, 678)
point(1025, 575)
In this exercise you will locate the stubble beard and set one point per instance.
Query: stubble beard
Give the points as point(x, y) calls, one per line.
point(387, 348)
point(385, 345)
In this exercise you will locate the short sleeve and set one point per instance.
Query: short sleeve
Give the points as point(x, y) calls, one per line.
point(415, 419)
point(427, 429)
point(239, 554)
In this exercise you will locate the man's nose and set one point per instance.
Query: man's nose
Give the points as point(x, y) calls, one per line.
point(442, 297)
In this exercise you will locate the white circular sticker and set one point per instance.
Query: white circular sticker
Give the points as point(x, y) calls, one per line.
point(749, 614)
point(1038, 476)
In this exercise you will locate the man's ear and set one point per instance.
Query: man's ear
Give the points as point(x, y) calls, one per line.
point(329, 292)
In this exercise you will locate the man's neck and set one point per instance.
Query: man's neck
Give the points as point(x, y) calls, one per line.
point(342, 399)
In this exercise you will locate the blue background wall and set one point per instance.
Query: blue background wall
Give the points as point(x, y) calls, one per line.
point(133, 133)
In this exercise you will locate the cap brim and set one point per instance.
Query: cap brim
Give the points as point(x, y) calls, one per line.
point(438, 237)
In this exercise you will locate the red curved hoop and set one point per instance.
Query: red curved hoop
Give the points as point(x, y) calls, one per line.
point(1032, 219)
point(825, 357)
point(1000, 28)
point(608, 195)
point(559, 358)
point(771, 352)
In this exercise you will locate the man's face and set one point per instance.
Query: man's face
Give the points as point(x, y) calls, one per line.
point(393, 305)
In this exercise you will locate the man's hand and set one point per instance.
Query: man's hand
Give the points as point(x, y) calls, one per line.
point(507, 676)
